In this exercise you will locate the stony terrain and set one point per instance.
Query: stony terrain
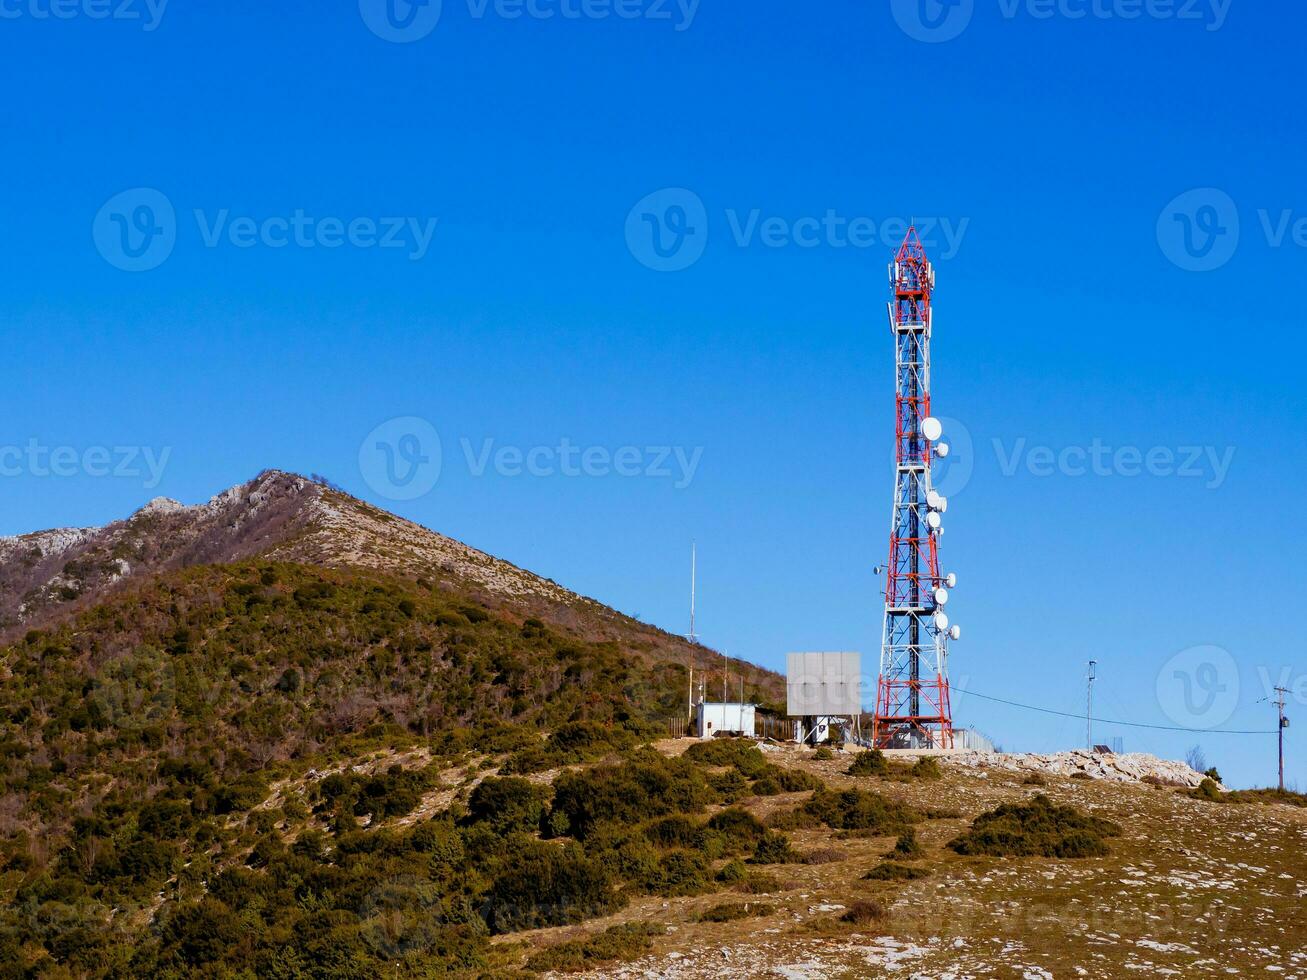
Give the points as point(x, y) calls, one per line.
point(1191, 889)
point(1126, 768)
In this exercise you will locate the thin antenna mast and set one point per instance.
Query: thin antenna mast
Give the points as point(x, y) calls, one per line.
point(694, 563)
point(742, 731)
point(692, 637)
point(1089, 713)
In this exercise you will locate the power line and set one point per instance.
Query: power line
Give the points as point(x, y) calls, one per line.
point(1110, 721)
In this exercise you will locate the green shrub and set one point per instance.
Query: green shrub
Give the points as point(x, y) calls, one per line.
point(1207, 790)
point(774, 848)
point(507, 805)
point(1035, 779)
point(541, 885)
point(730, 786)
point(740, 828)
point(240, 794)
point(676, 830)
point(203, 933)
point(525, 761)
point(734, 911)
point(871, 762)
point(571, 743)
point(1039, 828)
point(907, 846)
point(732, 872)
point(823, 754)
point(392, 793)
point(1271, 795)
point(497, 738)
point(859, 810)
point(798, 781)
point(892, 871)
point(774, 779)
point(739, 753)
point(581, 740)
point(927, 767)
point(624, 850)
point(645, 786)
point(679, 873)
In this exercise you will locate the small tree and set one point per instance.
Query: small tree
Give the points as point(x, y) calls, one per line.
point(1195, 759)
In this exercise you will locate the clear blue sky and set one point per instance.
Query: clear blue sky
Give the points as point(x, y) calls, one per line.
point(1068, 311)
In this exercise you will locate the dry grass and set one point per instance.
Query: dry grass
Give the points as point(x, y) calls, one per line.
point(1188, 886)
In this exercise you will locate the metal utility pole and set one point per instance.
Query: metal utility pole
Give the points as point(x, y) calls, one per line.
point(1284, 723)
point(1089, 713)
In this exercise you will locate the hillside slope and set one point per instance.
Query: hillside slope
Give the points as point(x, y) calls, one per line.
point(161, 676)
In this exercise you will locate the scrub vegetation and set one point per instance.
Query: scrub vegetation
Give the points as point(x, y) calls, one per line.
point(1040, 828)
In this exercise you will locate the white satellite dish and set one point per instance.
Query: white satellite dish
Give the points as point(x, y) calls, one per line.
point(943, 504)
point(955, 632)
point(934, 499)
point(951, 580)
point(941, 622)
point(941, 596)
point(933, 520)
point(932, 428)
point(941, 450)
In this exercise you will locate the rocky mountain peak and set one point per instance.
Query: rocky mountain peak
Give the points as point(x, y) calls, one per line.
point(278, 515)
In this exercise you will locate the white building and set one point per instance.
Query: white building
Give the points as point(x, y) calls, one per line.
point(734, 718)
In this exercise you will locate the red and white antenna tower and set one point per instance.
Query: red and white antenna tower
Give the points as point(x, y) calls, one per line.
point(912, 696)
